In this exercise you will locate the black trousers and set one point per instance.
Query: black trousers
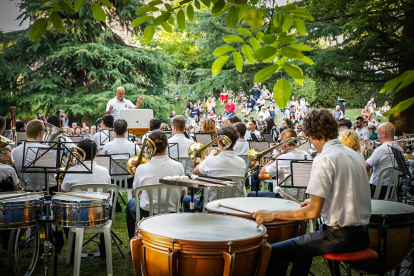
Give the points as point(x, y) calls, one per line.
point(301, 250)
point(383, 191)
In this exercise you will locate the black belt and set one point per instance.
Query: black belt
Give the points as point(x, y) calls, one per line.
point(358, 227)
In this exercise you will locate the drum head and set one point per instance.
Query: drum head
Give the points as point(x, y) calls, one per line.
point(73, 199)
point(201, 227)
point(19, 200)
point(393, 211)
point(252, 204)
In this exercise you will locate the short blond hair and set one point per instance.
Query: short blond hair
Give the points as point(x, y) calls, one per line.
point(350, 139)
point(33, 128)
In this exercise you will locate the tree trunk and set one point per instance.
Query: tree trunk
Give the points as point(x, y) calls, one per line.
point(404, 121)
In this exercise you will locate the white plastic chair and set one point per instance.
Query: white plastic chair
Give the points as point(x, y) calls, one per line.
point(228, 191)
point(391, 193)
point(187, 164)
point(105, 229)
point(246, 160)
point(119, 167)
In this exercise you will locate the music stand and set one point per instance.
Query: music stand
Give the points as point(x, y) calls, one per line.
point(402, 167)
point(174, 145)
point(267, 137)
point(203, 138)
point(261, 146)
point(75, 138)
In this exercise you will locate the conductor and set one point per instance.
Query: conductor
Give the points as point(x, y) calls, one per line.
point(118, 103)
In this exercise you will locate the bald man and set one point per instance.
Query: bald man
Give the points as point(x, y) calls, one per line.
point(225, 121)
point(118, 103)
point(379, 160)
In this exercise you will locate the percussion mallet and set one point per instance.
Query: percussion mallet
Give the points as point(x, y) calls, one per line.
point(218, 205)
point(67, 194)
point(277, 189)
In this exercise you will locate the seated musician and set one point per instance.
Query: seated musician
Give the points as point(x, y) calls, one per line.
point(2, 128)
point(350, 139)
point(344, 124)
point(225, 164)
point(178, 126)
point(150, 173)
point(379, 160)
point(102, 138)
point(154, 125)
point(339, 192)
point(34, 131)
point(99, 175)
point(8, 171)
point(242, 146)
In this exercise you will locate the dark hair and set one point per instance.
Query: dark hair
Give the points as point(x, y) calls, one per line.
point(230, 132)
point(241, 128)
point(245, 121)
point(234, 119)
point(108, 120)
point(359, 118)
point(320, 124)
point(288, 122)
point(345, 123)
point(302, 96)
point(281, 129)
point(2, 122)
point(254, 122)
point(89, 147)
point(179, 122)
point(270, 124)
point(155, 124)
point(19, 125)
point(120, 126)
point(54, 120)
point(160, 140)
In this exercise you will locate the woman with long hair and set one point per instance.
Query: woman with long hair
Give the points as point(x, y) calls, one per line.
point(269, 126)
point(208, 126)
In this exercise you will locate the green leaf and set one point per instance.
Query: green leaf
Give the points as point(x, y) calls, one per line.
point(190, 12)
point(299, 81)
point(255, 43)
point(197, 4)
point(238, 61)
point(38, 29)
point(264, 52)
point(161, 19)
point(299, 25)
point(56, 20)
point(218, 6)
point(252, 17)
point(226, 7)
point(155, 3)
point(248, 53)
point(149, 33)
point(222, 50)
point(67, 7)
point(125, 1)
point(281, 92)
point(171, 20)
point(293, 71)
point(141, 20)
point(206, 3)
point(181, 20)
point(287, 22)
point(146, 9)
point(304, 16)
point(300, 47)
point(254, 2)
point(270, 59)
point(244, 32)
point(232, 17)
point(241, 2)
point(269, 39)
point(259, 36)
point(281, 61)
point(408, 78)
point(99, 13)
point(218, 64)
point(300, 11)
point(289, 7)
point(168, 6)
point(79, 4)
point(291, 52)
point(400, 107)
point(167, 27)
point(106, 3)
point(233, 38)
point(307, 60)
point(405, 78)
point(266, 73)
point(184, 2)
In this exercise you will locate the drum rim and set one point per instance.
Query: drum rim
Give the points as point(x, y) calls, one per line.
point(200, 241)
point(19, 200)
point(55, 198)
point(400, 219)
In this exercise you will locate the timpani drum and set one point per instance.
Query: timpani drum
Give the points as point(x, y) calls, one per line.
point(188, 244)
point(20, 212)
point(391, 225)
point(71, 211)
point(277, 230)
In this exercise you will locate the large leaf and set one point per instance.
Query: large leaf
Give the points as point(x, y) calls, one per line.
point(408, 78)
point(293, 71)
point(281, 92)
point(300, 11)
point(269, 39)
point(307, 60)
point(149, 33)
point(300, 47)
point(264, 52)
point(168, 6)
point(222, 50)
point(241, 2)
point(190, 12)
point(106, 3)
point(155, 3)
point(146, 9)
point(218, 6)
point(98, 12)
point(266, 73)
point(232, 17)
point(304, 16)
point(299, 25)
point(252, 17)
point(289, 7)
point(56, 20)
point(400, 107)
point(167, 27)
point(181, 20)
point(248, 53)
point(67, 6)
point(161, 19)
point(79, 4)
point(226, 7)
point(141, 20)
point(38, 29)
point(197, 4)
point(255, 43)
point(287, 39)
point(233, 38)
point(244, 32)
point(218, 64)
point(171, 20)
point(287, 22)
point(206, 3)
point(238, 61)
point(405, 79)
point(291, 52)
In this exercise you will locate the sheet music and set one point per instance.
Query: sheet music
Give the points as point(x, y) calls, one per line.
point(104, 161)
point(203, 138)
point(301, 173)
point(261, 146)
point(45, 158)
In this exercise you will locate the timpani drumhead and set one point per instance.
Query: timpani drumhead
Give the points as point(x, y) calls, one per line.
point(19, 200)
point(201, 227)
point(394, 212)
point(59, 198)
point(251, 204)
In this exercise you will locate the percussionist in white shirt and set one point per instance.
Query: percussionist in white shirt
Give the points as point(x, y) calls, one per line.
point(118, 103)
point(340, 193)
point(178, 126)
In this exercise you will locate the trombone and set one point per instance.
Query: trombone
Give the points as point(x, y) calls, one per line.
point(198, 152)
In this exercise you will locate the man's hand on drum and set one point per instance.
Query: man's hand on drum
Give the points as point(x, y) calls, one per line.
point(263, 216)
point(305, 203)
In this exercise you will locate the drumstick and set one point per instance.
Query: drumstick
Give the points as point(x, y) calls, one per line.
point(279, 190)
point(21, 195)
point(218, 205)
point(87, 197)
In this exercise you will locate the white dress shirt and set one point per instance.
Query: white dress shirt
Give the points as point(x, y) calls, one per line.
point(118, 106)
point(363, 133)
point(6, 170)
point(99, 175)
point(241, 147)
point(265, 114)
point(339, 176)
point(247, 136)
point(183, 144)
point(379, 160)
point(150, 173)
point(226, 163)
point(30, 156)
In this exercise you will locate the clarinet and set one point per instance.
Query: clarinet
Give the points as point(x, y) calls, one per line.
point(13, 116)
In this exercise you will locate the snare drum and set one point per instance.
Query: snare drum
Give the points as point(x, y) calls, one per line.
point(188, 244)
point(391, 224)
point(70, 211)
point(277, 230)
point(20, 212)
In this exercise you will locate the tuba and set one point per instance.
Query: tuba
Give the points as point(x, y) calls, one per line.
point(6, 160)
point(147, 151)
point(198, 152)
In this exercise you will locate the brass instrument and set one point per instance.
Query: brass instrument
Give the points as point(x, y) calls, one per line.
point(148, 149)
point(7, 160)
point(408, 137)
point(198, 152)
point(371, 143)
point(74, 158)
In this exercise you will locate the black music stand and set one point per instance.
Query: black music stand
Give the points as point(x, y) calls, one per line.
point(174, 145)
point(123, 171)
point(398, 162)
